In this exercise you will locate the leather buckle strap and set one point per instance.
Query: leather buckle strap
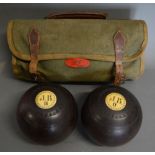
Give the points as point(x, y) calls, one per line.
point(34, 40)
point(119, 43)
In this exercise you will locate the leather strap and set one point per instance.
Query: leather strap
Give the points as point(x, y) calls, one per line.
point(77, 15)
point(119, 43)
point(34, 40)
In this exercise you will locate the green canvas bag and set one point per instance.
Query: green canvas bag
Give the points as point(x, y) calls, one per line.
point(77, 49)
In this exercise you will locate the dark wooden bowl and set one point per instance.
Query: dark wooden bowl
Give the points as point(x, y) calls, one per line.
point(47, 118)
point(111, 116)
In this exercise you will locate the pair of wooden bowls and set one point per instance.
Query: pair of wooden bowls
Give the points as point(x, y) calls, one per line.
point(111, 115)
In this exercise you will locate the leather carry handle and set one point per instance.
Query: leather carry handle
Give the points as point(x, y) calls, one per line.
point(77, 15)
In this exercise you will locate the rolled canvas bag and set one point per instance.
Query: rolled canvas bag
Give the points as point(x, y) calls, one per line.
point(77, 48)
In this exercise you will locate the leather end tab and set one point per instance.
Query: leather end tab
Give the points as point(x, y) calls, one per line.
point(34, 41)
point(119, 44)
point(119, 41)
point(33, 37)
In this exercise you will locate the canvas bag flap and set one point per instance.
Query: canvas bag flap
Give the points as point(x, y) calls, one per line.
point(87, 38)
